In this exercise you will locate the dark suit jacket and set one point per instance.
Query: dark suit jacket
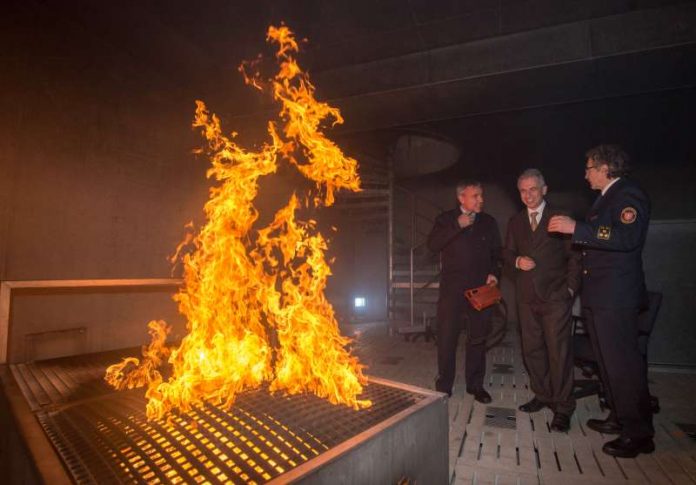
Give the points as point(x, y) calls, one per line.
point(558, 265)
point(612, 240)
point(468, 255)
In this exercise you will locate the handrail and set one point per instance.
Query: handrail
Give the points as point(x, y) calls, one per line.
point(6, 288)
point(411, 288)
point(429, 282)
point(414, 216)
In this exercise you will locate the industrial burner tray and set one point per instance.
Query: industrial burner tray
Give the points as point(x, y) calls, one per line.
point(102, 436)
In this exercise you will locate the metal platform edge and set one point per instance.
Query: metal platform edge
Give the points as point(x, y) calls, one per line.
point(327, 464)
point(40, 455)
point(46, 467)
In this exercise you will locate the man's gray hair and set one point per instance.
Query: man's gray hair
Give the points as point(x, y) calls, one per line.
point(462, 184)
point(532, 172)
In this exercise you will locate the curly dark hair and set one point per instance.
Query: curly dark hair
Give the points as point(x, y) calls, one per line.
point(613, 156)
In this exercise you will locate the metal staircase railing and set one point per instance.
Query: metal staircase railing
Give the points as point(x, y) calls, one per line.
point(420, 215)
point(409, 219)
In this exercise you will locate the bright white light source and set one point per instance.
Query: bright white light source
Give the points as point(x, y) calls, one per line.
point(360, 302)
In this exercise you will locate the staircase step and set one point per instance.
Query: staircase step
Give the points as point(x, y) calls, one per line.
point(419, 291)
point(404, 302)
point(406, 284)
point(431, 269)
point(418, 283)
point(424, 272)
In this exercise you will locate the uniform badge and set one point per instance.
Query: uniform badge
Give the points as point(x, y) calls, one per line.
point(604, 232)
point(629, 215)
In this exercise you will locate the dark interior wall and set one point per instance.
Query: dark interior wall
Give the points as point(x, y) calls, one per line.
point(360, 269)
point(97, 178)
point(670, 269)
point(97, 174)
point(654, 128)
point(93, 189)
point(98, 181)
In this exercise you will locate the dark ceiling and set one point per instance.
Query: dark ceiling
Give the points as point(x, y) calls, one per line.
point(514, 82)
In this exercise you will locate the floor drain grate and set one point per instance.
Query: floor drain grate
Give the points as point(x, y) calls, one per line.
point(503, 369)
point(500, 417)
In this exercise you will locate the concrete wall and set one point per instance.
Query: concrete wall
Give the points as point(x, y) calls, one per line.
point(97, 174)
point(97, 178)
point(96, 183)
point(670, 268)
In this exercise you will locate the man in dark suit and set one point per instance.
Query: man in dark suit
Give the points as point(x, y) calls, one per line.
point(547, 275)
point(612, 239)
point(469, 243)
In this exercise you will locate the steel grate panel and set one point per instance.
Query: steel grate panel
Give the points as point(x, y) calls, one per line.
point(55, 382)
point(109, 439)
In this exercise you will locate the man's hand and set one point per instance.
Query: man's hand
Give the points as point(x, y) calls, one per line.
point(525, 263)
point(491, 280)
point(465, 220)
point(562, 224)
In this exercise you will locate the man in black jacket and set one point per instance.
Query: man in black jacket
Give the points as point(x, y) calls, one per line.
point(547, 275)
point(469, 243)
point(612, 239)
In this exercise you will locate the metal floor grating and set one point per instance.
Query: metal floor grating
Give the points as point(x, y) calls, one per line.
point(103, 436)
point(55, 382)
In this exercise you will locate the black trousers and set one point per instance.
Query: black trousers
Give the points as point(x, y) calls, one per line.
point(451, 309)
point(614, 336)
point(547, 349)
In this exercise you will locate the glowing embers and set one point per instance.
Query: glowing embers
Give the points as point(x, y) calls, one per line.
point(243, 284)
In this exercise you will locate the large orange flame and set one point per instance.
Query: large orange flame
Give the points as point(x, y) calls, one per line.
point(240, 293)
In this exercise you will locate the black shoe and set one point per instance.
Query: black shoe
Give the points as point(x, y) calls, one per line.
point(560, 423)
point(532, 406)
point(628, 447)
point(480, 395)
point(449, 393)
point(654, 404)
point(604, 426)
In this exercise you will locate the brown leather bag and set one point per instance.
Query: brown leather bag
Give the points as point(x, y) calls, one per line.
point(483, 296)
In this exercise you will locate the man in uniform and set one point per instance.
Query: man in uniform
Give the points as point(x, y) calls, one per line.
point(547, 275)
point(469, 243)
point(612, 240)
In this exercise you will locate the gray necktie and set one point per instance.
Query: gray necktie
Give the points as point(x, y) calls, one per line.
point(534, 223)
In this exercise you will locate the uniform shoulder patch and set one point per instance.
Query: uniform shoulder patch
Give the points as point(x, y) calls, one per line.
point(629, 215)
point(604, 232)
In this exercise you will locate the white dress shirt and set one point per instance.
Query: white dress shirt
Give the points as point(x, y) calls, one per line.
point(606, 187)
point(539, 210)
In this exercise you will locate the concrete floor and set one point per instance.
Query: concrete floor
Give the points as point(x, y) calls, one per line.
point(497, 444)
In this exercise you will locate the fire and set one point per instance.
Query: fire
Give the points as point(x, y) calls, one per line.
point(254, 300)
